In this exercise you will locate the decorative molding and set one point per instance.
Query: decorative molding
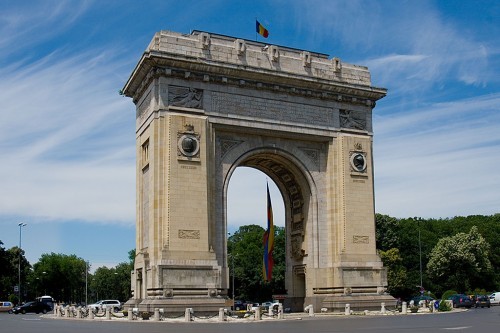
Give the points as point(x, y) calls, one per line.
point(312, 154)
point(189, 234)
point(357, 239)
point(227, 144)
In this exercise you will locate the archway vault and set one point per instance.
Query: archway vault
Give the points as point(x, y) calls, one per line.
point(206, 104)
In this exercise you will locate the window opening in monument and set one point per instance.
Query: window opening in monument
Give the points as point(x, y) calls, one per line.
point(246, 223)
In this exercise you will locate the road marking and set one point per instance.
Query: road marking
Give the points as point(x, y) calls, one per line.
point(457, 328)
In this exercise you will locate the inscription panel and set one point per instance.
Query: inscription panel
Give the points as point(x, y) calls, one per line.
point(280, 111)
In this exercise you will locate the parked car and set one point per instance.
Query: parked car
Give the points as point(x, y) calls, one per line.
point(6, 307)
point(32, 307)
point(239, 305)
point(266, 305)
point(482, 301)
point(421, 299)
point(114, 304)
point(495, 298)
point(460, 301)
point(47, 300)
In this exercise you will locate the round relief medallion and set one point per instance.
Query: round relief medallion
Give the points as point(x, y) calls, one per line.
point(189, 145)
point(358, 162)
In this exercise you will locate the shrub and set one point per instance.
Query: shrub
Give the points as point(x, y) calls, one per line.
point(444, 306)
point(448, 293)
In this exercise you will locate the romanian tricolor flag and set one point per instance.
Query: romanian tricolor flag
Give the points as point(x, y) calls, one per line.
point(261, 30)
point(268, 240)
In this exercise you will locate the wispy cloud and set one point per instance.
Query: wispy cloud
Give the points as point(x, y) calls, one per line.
point(439, 159)
point(68, 138)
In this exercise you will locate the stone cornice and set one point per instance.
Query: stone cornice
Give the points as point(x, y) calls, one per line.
point(292, 71)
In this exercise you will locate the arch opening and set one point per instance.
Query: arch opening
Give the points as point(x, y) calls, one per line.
point(295, 191)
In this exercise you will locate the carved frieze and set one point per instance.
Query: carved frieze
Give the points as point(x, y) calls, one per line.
point(185, 97)
point(358, 239)
point(352, 119)
point(189, 234)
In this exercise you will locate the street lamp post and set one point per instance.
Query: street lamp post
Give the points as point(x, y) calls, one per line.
point(420, 254)
point(21, 225)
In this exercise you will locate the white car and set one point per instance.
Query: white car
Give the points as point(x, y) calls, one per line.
point(495, 298)
point(108, 303)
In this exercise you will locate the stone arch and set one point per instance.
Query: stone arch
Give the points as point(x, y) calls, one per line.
point(298, 190)
point(204, 106)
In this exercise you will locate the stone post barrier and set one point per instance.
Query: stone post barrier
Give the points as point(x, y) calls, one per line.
point(91, 314)
point(270, 312)
point(187, 314)
point(347, 310)
point(130, 314)
point(404, 309)
point(382, 307)
point(221, 314)
point(108, 313)
point(257, 314)
point(156, 316)
point(79, 312)
point(280, 311)
point(67, 311)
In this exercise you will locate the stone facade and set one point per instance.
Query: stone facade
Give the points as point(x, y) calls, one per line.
point(207, 104)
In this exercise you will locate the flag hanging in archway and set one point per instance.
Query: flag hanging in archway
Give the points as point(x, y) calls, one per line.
point(268, 239)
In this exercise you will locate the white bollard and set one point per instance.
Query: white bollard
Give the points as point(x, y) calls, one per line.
point(404, 308)
point(311, 310)
point(79, 312)
point(187, 314)
point(108, 313)
point(130, 314)
point(347, 310)
point(156, 316)
point(270, 312)
point(91, 314)
point(280, 311)
point(257, 314)
point(222, 313)
point(382, 307)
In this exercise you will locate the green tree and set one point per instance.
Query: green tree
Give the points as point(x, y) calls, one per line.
point(60, 276)
point(245, 249)
point(396, 272)
point(461, 261)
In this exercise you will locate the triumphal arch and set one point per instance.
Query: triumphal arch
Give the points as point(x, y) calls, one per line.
point(207, 104)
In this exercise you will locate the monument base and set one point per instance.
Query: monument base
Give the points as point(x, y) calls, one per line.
point(178, 304)
point(357, 302)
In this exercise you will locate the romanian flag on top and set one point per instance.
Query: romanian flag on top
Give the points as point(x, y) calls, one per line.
point(268, 240)
point(261, 30)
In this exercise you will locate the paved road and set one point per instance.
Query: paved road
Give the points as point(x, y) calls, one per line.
point(473, 320)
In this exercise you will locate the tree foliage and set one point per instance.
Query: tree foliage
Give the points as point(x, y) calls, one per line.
point(245, 249)
point(415, 236)
point(460, 261)
point(60, 276)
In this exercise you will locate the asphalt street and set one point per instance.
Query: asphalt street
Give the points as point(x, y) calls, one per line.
point(473, 320)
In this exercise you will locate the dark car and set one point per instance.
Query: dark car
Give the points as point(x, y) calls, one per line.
point(239, 305)
point(461, 301)
point(482, 301)
point(422, 300)
point(32, 307)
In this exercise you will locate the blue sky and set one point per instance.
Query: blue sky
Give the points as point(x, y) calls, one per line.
point(67, 138)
